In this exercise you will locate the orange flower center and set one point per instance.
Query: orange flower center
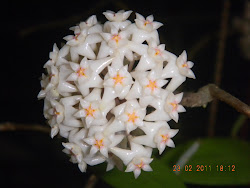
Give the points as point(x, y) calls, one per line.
point(146, 22)
point(140, 165)
point(90, 111)
point(118, 79)
point(81, 71)
point(56, 113)
point(76, 36)
point(174, 105)
point(116, 38)
point(152, 85)
point(99, 143)
point(185, 65)
point(164, 138)
point(157, 52)
point(132, 117)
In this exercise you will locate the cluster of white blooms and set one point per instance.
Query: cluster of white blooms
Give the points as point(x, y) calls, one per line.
point(109, 92)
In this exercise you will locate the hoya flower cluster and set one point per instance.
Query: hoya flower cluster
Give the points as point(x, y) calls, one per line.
point(110, 92)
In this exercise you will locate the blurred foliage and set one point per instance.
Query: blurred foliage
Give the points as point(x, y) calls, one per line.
point(211, 152)
point(161, 176)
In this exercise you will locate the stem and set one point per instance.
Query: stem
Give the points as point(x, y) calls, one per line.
point(23, 127)
point(211, 92)
point(91, 181)
point(219, 63)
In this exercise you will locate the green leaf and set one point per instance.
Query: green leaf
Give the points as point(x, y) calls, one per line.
point(161, 176)
point(212, 155)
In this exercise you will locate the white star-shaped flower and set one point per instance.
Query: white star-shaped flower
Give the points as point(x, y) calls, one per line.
point(57, 57)
point(159, 114)
point(119, 80)
point(118, 16)
point(49, 82)
point(152, 83)
point(102, 143)
point(86, 74)
point(56, 112)
point(74, 150)
point(115, 39)
point(147, 24)
point(99, 143)
point(135, 156)
point(131, 114)
point(138, 164)
point(93, 111)
point(90, 113)
point(185, 66)
point(155, 54)
point(76, 155)
point(117, 43)
point(145, 29)
point(118, 20)
point(78, 37)
point(81, 43)
point(171, 71)
point(172, 106)
point(91, 25)
point(150, 129)
point(76, 136)
point(163, 138)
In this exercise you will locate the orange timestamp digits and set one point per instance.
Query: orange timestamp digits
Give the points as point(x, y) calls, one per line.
point(205, 168)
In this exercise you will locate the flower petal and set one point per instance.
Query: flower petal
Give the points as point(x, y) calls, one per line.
point(147, 168)
point(170, 143)
point(104, 151)
point(93, 150)
point(137, 172)
point(130, 167)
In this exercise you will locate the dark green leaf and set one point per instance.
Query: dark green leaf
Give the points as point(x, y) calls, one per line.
point(162, 176)
point(213, 152)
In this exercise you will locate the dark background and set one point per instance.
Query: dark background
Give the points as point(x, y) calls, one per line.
point(31, 28)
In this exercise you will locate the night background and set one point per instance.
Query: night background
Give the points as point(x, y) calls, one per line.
point(33, 159)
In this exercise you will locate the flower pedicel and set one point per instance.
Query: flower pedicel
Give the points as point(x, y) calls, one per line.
point(101, 87)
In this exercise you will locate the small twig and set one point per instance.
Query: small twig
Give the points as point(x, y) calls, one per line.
point(210, 92)
point(219, 63)
point(222, 95)
point(91, 181)
point(4, 127)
